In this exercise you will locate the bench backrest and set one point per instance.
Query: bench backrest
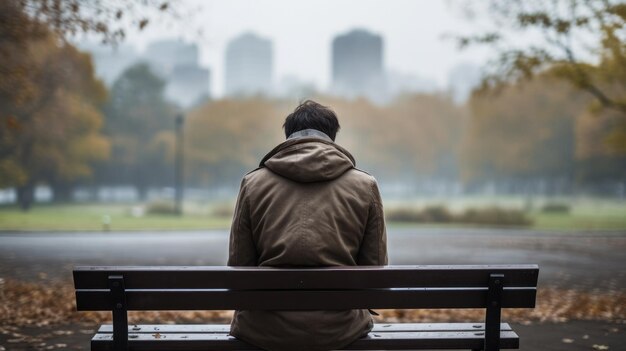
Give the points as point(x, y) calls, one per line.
point(122, 289)
point(227, 288)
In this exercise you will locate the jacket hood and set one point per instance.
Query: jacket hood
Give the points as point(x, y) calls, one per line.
point(308, 159)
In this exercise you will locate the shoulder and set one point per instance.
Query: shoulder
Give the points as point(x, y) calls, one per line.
point(255, 175)
point(361, 174)
point(360, 179)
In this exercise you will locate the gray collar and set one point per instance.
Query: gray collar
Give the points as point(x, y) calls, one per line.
point(310, 133)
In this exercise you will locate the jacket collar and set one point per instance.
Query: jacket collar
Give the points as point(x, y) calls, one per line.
point(304, 139)
point(309, 133)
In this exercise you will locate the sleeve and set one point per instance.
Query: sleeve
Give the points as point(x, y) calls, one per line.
point(241, 251)
point(373, 249)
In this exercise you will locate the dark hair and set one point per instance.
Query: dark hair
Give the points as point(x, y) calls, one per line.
point(311, 115)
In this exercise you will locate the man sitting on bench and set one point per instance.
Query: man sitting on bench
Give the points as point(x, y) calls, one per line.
point(307, 206)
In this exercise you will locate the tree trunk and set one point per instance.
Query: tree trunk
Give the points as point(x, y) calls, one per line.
point(26, 196)
point(62, 192)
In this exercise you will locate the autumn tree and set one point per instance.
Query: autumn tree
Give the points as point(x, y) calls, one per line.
point(416, 137)
point(49, 109)
point(599, 163)
point(524, 135)
point(107, 19)
point(49, 97)
point(227, 138)
point(582, 42)
point(412, 139)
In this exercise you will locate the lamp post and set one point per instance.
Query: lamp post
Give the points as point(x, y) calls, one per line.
point(178, 166)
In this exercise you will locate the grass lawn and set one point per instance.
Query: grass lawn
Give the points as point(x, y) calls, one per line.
point(586, 217)
point(90, 217)
point(587, 214)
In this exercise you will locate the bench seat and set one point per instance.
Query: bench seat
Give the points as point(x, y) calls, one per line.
point(384, 336)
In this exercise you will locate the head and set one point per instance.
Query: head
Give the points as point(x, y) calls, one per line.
point(311, 115)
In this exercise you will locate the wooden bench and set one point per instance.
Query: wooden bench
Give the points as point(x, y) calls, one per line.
point(122, 289)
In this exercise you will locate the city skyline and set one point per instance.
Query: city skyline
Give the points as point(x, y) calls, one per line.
point(249, 61)
point(417, 41)
point(390, 81)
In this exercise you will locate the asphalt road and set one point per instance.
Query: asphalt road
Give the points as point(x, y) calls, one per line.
point(589, 260)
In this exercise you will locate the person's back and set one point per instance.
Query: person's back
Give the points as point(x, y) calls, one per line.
point(307, 206)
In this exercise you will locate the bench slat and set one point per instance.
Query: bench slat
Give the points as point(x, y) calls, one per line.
point(374, 341)
point(150, 300)
point(362, 277)
point(225, 328)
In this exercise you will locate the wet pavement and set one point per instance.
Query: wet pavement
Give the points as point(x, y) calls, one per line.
point(587, 260)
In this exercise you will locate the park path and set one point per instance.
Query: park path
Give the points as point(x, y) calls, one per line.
point(586, 260)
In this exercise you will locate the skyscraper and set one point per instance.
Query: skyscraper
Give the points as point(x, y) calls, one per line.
point(177, 62)
point(358, 64)
point(249, 60)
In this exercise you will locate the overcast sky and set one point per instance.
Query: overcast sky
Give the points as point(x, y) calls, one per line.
point(302, 32)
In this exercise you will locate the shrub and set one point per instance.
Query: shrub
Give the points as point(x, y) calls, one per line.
point(437, 214)
point(554, 207)
point(495, 216)
point(223, 210)
point(161, 207)
point(404, 215)
point(440, 214)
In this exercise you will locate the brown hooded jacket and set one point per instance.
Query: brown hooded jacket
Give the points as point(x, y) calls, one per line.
point(306, 206)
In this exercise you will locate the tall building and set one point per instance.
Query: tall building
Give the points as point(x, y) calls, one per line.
point(249, 61)
point(358, 65)
point(174, 61)
point(164, 55)
point(177, 63)
point(110, 62)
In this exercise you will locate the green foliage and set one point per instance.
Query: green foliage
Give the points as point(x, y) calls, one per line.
point(140, 125)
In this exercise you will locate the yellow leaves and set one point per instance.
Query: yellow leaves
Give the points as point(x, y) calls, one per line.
point(408, 136)
point(52, 302)
point(525, 130)
point(12, 173)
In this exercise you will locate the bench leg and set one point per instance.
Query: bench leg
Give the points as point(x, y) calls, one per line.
point(120, 313)
point(492, 318)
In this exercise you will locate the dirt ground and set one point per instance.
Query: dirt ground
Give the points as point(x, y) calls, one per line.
point(573, 335)
point(580, 275)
